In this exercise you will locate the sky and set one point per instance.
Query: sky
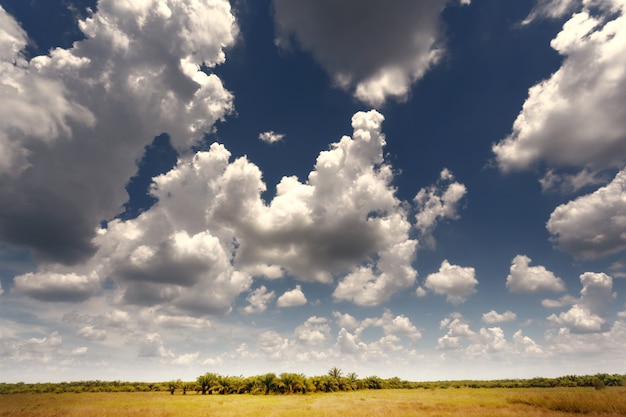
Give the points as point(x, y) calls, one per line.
point(431, 190)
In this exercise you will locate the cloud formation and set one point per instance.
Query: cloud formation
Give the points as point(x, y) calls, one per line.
point(271, 137)
point(457, 283)
point(576, 117)
point(592, 225)
point(97, 109)
point(371, 48)
point(589, 314)
point(437, 202)
point(292, 298)
point(494, 317)
point(527, 279)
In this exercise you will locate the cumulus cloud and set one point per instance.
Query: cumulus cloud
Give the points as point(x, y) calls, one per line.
point(92, 333)
point(487, 342)
point(151, 346)
point(292, 298)
point(271, 137)
point(258, 300)
point(457, 283)
point(196, 248)
point(527, 279)
point(589, 314)
point(592, 225)
point(186, 359)
point(494, 317)
point(97, 108)
point(314, 332)
point(576, 117)
point(371, 48)
point(436, 203)
point(56, 287)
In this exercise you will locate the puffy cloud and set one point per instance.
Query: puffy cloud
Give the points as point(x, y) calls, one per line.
point(272, 343)
point(57, 287)
point(437, 202)
point(592, 225)
point(454, 281)
point(374, 49)
point(186, 359)
point(314, 332)
point(151, 346)
point(292, 298)
point(589, 314)
point(258, 300)
point(197, 246)
point(561, 302)
point(346, 320)
point(494, 317)
point(91, 333)
point(271, 137)
point(392, 326)
point(97, 108)
point(576, 117)
point(458, 332)
point(523, 278)
point(527, 345)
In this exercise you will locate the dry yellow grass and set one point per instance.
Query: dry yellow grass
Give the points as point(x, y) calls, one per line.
point(383, 403)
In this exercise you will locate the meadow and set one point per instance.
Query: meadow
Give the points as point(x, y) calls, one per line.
point(467, 402)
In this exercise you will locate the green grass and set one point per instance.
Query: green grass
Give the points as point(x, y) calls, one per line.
point(483, 402)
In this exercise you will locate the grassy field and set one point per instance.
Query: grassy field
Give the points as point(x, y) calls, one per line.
point(546, 402)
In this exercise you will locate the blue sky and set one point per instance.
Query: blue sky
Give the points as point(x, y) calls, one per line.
point(429, 190)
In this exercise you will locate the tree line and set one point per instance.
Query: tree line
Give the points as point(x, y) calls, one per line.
point(293, 383)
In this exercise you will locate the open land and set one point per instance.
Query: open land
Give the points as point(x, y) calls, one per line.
point(467, 402)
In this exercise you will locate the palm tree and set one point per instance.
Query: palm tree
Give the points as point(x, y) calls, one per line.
point(292, 382)
point(335, 373)
point(268, 382)
point(207, 381)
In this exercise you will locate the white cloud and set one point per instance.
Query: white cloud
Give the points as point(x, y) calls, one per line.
point(523, 278)
point(381, 56)
point(292, 298)
point(314, 332)
point(551, 9)
point(576, 117)
point(392, 326)
point(561, 302)
point(80, 351)
point(438, 202)
point(186, 359)
point(258, 300)
point(151, 345)
point(346, 320)
point(97, 109)
point(571, 183)
point(592, 225)
point(56, 287)
point(457, 283)
point(91, 333)
point(272, 343)
point(494, 317)
point(589, 314)
point(271, 137)
point(197, 247)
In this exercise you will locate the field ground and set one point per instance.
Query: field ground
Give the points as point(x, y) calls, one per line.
point(466, 402)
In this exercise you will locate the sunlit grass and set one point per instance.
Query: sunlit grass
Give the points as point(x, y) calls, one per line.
point(611, 401)
point(466, 402)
